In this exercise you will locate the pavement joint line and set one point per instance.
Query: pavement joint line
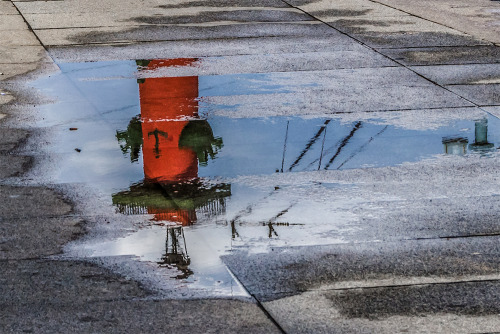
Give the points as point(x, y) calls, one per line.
point(430, 80)
point(462, 64)
point(426, 19)
point(471, 236)
point(29, 26)
point(486, 235)
point(257, 301)
point(475, 84)
point(268, 315)
point(405, 283)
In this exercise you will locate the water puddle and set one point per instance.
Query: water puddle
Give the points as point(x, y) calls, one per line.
point(174, 154)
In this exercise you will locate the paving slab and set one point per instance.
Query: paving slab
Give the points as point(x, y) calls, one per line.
point(225, 3)
point(230, 15)
point(479, 83)
point(457, 308)
point(8, 8)
point(20, 38)
point(23, 96)
point(205, 48)
point(445, 55)
point(61, 283)
point(21, 54)
point(19, 240)
point(147, 6)
point(382, 26)
point(291, 271)
point(162, 17)
point(284, 62)
point(12, 22)
point(321, 5)
point(482, 95)
point(495, 111)
point(52, 37)
point(461, 74)
point(479, 18)
point(416, 39)
point(329, 12)
point(26, 202)
point(339, 100)
point(391, 24)
point(5, 97)
point(11, 138)
point(62, 296)
point(12, 70)
point(135, 316)
point(12, 165)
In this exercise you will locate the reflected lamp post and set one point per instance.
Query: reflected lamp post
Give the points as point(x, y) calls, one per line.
point(176, 255)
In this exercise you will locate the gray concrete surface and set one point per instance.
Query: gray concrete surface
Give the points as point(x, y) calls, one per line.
point(55, 297)
point(424, 255)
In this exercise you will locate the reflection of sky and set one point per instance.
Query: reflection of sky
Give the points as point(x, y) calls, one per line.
point(101, 98)
point(204, 249)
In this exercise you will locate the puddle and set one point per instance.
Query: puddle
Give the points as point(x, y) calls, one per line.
point(201, 184)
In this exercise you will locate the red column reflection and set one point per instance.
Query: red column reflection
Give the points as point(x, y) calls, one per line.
point(167, 104)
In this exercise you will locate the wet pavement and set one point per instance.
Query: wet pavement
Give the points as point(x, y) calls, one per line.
point(318, 168)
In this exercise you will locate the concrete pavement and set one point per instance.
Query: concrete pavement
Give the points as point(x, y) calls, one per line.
point(423, 256)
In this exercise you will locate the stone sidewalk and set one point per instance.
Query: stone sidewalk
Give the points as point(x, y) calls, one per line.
point(389, 56)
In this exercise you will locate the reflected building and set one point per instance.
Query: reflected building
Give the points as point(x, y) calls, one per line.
point(455, 145)
point(459, 145)
point(481, 143)
point(174, 141)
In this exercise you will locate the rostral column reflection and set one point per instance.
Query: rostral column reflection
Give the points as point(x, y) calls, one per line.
point(167, 105)
point(174, 142)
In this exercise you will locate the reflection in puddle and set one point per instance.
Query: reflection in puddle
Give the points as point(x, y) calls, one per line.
point(210, 184)
point(481, 143)
point(458, 145)
point(176, 252)
point(174, 142)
